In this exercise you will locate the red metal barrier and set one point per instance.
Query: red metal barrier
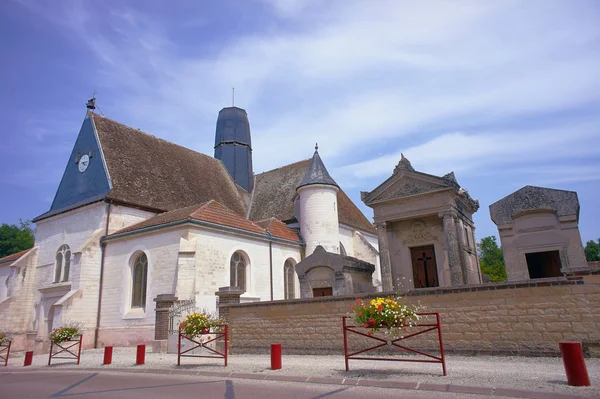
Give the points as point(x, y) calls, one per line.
point(572, 356)
point(426, 327)
point(275, 356)
point(220, 331)
point(108, 355)
point(64, 349)
point(5, 348)
point(28, 359)
point(140, 357)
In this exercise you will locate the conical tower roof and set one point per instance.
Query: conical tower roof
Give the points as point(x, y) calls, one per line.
point(317, 173)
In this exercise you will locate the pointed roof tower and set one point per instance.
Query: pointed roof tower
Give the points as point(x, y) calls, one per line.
point(316, 172)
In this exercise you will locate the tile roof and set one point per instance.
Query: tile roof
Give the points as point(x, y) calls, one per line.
point(279, 229)
point(275, 191)
point(11, 258)
point(149, 172)
point(211, 212)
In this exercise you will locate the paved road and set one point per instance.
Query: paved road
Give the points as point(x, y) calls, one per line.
point(57, 384)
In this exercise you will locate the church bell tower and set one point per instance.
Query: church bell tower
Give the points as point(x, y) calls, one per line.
point(233, 145)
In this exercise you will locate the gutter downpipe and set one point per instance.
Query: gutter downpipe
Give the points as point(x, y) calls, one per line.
point(103, 250)
point(271, 264)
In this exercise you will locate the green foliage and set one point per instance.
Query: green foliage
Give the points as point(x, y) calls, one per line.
point(15, 238)
point(491, 259)
point(592, 251)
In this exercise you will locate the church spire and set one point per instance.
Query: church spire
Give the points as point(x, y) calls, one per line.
point(316, 172)
point(233, 145)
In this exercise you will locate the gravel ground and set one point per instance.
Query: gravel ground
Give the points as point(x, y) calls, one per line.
point(545, 374)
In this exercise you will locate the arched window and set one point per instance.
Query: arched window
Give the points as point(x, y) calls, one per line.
point(139, 281)
point(289, 276)
point(63, 264)
point(237, 271)
point(342, 249)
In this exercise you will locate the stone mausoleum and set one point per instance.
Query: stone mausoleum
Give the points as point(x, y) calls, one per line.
point(539, 232)
point(425, 229)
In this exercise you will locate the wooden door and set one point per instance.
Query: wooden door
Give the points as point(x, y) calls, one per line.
point(424, 267)
point(322, 291)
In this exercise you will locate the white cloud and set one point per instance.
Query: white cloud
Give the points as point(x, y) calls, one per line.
point(351, 76)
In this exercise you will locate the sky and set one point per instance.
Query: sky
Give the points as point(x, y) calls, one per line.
point(503, 93)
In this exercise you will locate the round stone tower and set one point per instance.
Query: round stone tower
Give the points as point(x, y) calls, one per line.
point(319, 223)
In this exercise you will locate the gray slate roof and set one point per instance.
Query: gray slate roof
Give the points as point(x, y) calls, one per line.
point(317, 173)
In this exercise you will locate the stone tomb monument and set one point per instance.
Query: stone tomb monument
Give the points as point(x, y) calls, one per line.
point(326, 273)
point(539, 232)
point(425, 229)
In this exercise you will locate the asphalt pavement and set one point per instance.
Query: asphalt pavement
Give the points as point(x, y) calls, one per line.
point(104, 384)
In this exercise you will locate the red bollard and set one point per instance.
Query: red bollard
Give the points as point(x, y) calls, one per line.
point(108, 355)
point(141, 354)
point(572, 356)
point(275, 356)
point(28, 359)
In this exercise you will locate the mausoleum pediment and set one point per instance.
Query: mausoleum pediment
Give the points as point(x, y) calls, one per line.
point(405, 186)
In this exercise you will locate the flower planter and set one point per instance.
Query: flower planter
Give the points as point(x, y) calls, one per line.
point(220, 332)
point(63, 348)
point(421, 327)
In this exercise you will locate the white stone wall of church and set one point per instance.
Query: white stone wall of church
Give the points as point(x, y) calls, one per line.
point(123, 216)
point(72, 228)
point(374, 241)
point(161, 249)
point(17, 307)
point(319, 222)
point(281, 253)
point(80, 229)
point(214, 250)
point(346, 240)
point(357, 248)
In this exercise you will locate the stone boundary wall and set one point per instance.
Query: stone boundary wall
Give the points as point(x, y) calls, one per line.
point(527, 318)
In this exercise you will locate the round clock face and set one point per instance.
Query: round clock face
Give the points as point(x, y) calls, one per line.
point(84, 162)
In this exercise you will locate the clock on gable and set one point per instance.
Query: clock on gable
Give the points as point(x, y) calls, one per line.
point(84, 162)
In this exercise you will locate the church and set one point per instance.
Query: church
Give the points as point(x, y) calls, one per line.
point(135, 217)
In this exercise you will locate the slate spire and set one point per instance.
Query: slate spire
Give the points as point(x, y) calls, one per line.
point(317, 173)
point(233, 145)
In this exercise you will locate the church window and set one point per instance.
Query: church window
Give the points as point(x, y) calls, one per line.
point(342, 249)
point(289, 276)
point(237, 271)
point(63, 264)
point(139, 281)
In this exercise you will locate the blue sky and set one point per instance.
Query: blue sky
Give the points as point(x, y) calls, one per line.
point(503, 93)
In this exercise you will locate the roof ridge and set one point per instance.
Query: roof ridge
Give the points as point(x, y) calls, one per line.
point(284, 166)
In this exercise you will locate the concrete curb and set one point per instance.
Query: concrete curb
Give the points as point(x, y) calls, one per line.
point(361, 382)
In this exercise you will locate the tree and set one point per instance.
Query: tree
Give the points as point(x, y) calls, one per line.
point(592, 251)
point(15, 238)
point(491, 259)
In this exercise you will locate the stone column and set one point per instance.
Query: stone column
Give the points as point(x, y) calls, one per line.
point(164, 302)
point(476, 254)
point(387, 281)
point(452, 248)
point(462, 244)
point(227, 296)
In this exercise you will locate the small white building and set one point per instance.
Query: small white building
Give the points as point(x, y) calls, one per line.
point(136, 216)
